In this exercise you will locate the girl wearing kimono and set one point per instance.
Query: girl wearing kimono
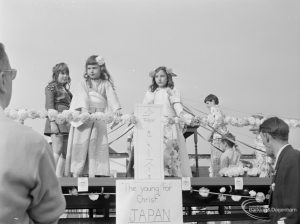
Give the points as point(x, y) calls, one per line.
point(88, 152)
point(216, 120)
point(163, 92)
point(262, 160)
point(231, 155)
point(58, 97)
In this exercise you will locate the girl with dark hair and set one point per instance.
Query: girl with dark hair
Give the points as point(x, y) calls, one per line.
point(58, 97)
point(88, 152)
point(163, 92)
point(231, 155)
point(216, 121)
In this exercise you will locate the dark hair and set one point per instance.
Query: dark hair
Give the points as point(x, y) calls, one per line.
point(104, 74)
point(60, 68)
point(276, 127)
point(210, 98)
point(229, 139)
point(170, 82)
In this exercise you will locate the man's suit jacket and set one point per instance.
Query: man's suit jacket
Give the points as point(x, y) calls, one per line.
point(29, 189)
point(285, 197)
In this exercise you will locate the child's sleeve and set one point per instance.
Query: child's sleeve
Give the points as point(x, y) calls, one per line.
point(148, 98)
point(50, 96)
point(175, 100)
point(80, 98)
point(112, 97)
point(218, 117)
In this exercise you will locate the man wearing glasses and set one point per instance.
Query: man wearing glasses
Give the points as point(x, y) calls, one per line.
point(29, 189)
point(285, 188)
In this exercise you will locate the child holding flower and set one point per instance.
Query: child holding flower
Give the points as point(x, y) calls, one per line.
point(88, 151)
point(163, 92)
point(216, 122)
point(58, 99)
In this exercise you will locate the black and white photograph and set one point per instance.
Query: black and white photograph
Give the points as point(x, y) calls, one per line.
point(150, 111)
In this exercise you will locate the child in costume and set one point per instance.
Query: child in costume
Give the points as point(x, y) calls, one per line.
point(163, 92)
point(58, 97)
point(217, 124)
point(88, 151)
point(231, 155)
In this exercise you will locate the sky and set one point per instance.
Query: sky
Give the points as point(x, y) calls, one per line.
point(247, 52)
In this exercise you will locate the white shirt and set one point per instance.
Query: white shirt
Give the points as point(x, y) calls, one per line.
point(278, 154)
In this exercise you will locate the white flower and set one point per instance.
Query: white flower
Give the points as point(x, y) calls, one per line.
point(169, 70)
point(84, 117)
point(251, 120)
point(108, 118)
point(126, 117)
point(253, 172)
point(222, 197)
point(6, 112)
point(22, 114)
point(257, 122)
point(100, 60)
point(252, 193)
point(293, 123)
point(99, 116)
point(33, 114)
point(234, 121)
point(93, 117)
point(222, 189)
point(43, 114)
point(13, 114)
point(60, 119)
point(75, 115)
point(236, 197)
point(52, 114)
point(68, 115)
point(93, 197)
point(203, 192)
point(260, 197)
point(133, 119)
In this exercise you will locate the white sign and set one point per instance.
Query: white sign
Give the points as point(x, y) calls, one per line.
point(148, 143)
point(238, 183)
point(186, 183)
point(83, 184)
point(149, 201)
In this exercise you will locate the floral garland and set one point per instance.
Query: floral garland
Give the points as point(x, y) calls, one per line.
point(68, 116)
point(259, 196)
point(75, 116)
point(238, 171)
point(242, 122)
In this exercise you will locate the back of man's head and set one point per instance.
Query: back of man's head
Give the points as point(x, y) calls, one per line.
point(275, 127)
point(4, 62)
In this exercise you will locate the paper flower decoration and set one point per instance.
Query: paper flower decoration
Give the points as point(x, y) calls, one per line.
point(204, 192)
point(100, 60)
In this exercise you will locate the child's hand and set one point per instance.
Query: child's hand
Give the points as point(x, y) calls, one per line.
point(133, 119)
point(118, 113)
point(169, 92)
